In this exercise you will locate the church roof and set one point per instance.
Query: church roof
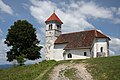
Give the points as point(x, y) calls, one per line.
point(83, 39)
point(54, 17)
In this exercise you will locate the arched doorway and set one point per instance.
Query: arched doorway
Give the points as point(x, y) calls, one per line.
point(69, 55)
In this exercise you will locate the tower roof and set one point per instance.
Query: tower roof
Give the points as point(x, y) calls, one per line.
point(54, 17)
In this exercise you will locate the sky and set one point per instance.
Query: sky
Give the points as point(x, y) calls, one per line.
point(76, 15)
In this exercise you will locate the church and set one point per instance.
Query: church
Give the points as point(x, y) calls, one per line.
point(76, 45)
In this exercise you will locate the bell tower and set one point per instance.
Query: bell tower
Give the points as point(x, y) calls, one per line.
point(53, 30)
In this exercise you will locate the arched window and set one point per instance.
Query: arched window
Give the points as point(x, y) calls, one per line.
point(101, 49)
point(50, 26)
point(69, 55)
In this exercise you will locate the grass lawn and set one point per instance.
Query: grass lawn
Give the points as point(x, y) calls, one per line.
point(30, 72)
point(104, 68)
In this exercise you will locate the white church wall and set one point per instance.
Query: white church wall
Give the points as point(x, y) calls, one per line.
point(58, 54)
point(100, 42)
point(49, 33)
point(78, 54)
point(57, 33)
point(94, 49)
point(58, 51)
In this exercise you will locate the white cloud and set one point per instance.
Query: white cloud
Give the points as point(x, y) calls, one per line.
point(41, 10)
point(3, 50)
point(5, 8)
point(74, 15)
point(115, 45)
point(93, 10)
point(116, 18)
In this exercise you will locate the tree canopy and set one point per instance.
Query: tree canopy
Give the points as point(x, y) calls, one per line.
point(23, 40)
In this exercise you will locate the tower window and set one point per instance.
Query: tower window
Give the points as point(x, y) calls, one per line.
point(50, 26)
point(101, 49)
point(69, 55)
point(58, 27)
point(85, 53)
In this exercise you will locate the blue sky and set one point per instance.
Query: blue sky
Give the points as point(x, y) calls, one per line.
point(77, 15)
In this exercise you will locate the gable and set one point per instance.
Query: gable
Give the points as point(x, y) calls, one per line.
point(53, 17)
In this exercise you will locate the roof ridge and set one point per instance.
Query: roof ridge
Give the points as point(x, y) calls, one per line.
point(78, 32)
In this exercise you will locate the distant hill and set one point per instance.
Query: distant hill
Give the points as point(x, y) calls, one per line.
point(104, 68)
point(4, 66)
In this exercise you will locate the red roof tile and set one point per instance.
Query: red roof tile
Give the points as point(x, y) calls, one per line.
point(54, 17)
point(83, 39)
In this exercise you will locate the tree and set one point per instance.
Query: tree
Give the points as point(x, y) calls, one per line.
point(23, 40)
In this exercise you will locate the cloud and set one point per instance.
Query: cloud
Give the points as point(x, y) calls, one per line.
point(74, 15)
point(41, 9)
point(70, 20)
point(5, 8)
point(115, 46)
point(91, 9)
point(116, 13)
point(3, 50)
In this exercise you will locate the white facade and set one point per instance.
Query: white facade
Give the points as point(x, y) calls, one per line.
point(100, 47)
point(60, 54)
point(78, 54)
point(56, 52)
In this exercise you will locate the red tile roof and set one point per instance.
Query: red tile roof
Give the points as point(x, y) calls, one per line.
point(83, 39)
point(54, 17)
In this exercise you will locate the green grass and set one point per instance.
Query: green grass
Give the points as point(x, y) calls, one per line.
point(31, 72)
point(106, 68)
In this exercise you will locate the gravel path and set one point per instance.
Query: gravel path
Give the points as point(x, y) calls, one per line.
point(81, 72)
